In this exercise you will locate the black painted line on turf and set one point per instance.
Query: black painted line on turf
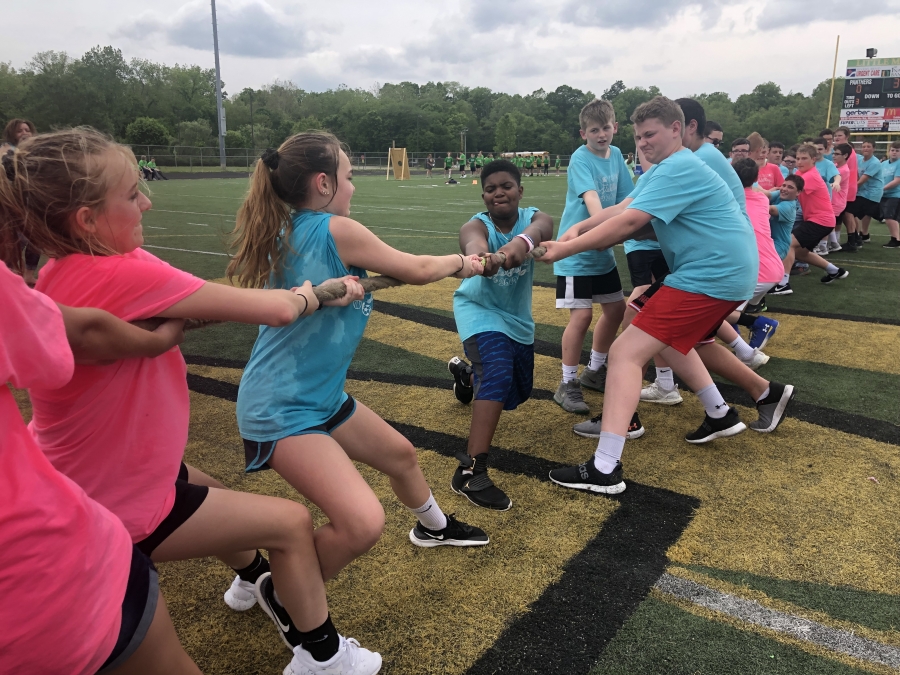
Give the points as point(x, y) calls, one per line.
point(829, 315)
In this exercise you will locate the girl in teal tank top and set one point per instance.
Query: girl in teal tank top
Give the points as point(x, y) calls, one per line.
point(293, 413)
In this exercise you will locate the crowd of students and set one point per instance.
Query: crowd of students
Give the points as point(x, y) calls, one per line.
point(527, 163)
point(98, 476)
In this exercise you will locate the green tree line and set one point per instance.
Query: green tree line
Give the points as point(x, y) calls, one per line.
point(142, 102)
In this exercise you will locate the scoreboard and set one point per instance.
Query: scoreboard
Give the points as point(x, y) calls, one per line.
point(872, 95)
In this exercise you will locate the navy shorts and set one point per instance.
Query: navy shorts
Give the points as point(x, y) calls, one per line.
point(646, 266)
point(502, 369)
point(258, 453)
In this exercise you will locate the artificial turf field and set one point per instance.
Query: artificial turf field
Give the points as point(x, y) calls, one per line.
point(775, 553)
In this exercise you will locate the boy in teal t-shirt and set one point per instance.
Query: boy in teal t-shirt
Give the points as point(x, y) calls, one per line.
point(870, 190)
point(890, 200)
point(597, 179)
point(495, 324)
point(825, 166)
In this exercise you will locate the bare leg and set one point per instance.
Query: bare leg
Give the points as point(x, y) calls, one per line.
point(573, 335)
point(485, 416)
point(160, 653)
point(723, 363)
point(810, 257)
point(607, 325)
point(893, 227)
point(864, 225)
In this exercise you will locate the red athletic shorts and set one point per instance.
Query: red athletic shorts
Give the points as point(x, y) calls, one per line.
point(681, 319)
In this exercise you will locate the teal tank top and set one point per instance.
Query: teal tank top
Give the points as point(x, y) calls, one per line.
point(295, 377)
point(502, 302)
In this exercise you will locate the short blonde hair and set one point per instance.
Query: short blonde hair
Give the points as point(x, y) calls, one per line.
point(808, 149)
point(757, 141)
point(599, 110)
point(661, 108)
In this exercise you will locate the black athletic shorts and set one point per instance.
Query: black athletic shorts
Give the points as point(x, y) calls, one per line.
point(258, 453)
point(138, 608)
point(646, 266)
point(188, 498)
point(890, 208)
point(585, 292)
point(638, 304)
point(809, 234)
point(863, 207)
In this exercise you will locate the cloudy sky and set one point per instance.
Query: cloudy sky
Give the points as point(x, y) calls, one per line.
point(518, 46)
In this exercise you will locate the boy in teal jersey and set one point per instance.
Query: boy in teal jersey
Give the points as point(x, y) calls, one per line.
point(825, 166)
point(711, 251)
point(782, 214)
point(597, 179)
point(448, 166)
point(827, 135)
point(890, 201)
point(869, 191)
point(493, 317)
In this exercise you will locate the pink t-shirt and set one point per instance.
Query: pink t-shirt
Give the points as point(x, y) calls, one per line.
point(64, 559)
point(815, 200)
point(854, 172)
point(771, 269)
point(770, 177)
point(839, 197)
point(119, 431)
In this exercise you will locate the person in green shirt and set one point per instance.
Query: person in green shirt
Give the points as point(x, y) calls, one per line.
point(462, 164)
point(472, 163)
point(519, 162)
point(448, 166)
point(545, 163)
point(529, 164)
point(558, 164)
point(142, 165)
point(156, 173)
point(479, 163)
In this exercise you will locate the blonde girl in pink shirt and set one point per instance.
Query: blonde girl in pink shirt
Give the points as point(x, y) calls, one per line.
point(119, 430)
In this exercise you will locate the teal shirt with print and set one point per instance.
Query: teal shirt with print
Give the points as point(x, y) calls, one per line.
point(500, 303)
point(873, 188)
point(705, 239)
point(610, 179)
point(295, 377)
point(889, 171)
point(782, 225)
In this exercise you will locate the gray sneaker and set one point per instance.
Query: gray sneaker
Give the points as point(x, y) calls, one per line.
point(568, 395)
point(591, 428)
point(594, 379)
point(773, 408)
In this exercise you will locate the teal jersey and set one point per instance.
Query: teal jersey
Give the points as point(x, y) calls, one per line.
point(874, 187)
point(295, 377)
point(889, 171)
point(705, 239)
point(716, 161)
point(610, 179)
point(500, 303)
point(782, 225)
point(828, 171)
point(639, 244)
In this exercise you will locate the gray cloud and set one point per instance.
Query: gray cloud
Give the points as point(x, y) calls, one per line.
point(800, 12)
point(246, 28)
point(639, 14)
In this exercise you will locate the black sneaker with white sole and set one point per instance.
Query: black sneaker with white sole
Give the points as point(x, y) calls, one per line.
point(462, 379)
point(773, 408)
point(457, 533)
point(587, 478)
point(840, 274)
point(712, 429)
point(265, 596)
point(781, 289)
point(472, 481)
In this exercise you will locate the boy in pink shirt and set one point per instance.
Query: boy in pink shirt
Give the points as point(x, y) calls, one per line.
point(769, 174)
point(842, 136)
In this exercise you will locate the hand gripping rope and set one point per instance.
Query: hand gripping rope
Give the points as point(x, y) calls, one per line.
point(326, 293)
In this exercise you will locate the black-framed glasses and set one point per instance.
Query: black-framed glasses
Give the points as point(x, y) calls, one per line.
point(714, 141)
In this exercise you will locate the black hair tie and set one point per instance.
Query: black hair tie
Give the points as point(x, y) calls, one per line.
point(270, 158)
point(9, 165)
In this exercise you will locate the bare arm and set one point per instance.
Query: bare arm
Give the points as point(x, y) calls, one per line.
point(836, 183)
point(358, 247)
point(590, 223)
point(592, 202)
point(862, 180)
point(98, 336)
point(773, 210)
point(894, 183)
point(272, 307)
point(610, 233)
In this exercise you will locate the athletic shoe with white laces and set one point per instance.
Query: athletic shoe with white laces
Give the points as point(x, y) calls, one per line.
point(241, 596)
point(265, 596)
point(457, 533)
point(570, 397)
point(840, 274)
point(762, 330)
point(773, 408)
point(351, 659)
point(833, 247)
point(712, 429)
point(754, 362)
point(653, 394)
point(783, 289)
point(594, 379)
point(587, 477)
point(591, 428)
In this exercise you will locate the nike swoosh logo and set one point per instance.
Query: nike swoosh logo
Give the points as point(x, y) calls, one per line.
point(273, 605)
point(435, 536)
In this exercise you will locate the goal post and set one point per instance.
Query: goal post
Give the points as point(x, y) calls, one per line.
point(398, 161)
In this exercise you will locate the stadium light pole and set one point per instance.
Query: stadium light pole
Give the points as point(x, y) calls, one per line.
point(220, 113)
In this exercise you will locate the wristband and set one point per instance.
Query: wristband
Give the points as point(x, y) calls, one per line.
point(462, 263)
point(528, 240)
point(306, 306)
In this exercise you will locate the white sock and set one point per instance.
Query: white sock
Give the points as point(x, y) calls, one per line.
point(664, 379)
point(608, 452)
point(569, 373)
point(764, 394)
point(713, 402)
point(741, 349)
point(833, 237)
point(831, 269)
point(597, 359)
point(430, 514)
point(786, 278)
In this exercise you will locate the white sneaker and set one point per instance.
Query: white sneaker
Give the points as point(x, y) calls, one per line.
point(758, 359)
point(821, 249)
point(653, 394)
point(351, 659)
point(241, 596)
point(834, 246)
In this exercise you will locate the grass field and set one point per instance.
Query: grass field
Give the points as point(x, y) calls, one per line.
point(759, 554)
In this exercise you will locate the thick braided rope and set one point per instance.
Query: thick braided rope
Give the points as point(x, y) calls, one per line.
point(328, 292)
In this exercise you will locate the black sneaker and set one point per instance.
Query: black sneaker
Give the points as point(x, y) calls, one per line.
point(712, 429)
point(756, 309)
point(462, 379)
point(840, 274)
point(773, 408)
point(865, 238)
point(893, 243)
point(476, 486)
point(782, 289)
point(457, 533)
point(265, 595)
point(591, 428)
point(850, 246)
point(586, 477)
